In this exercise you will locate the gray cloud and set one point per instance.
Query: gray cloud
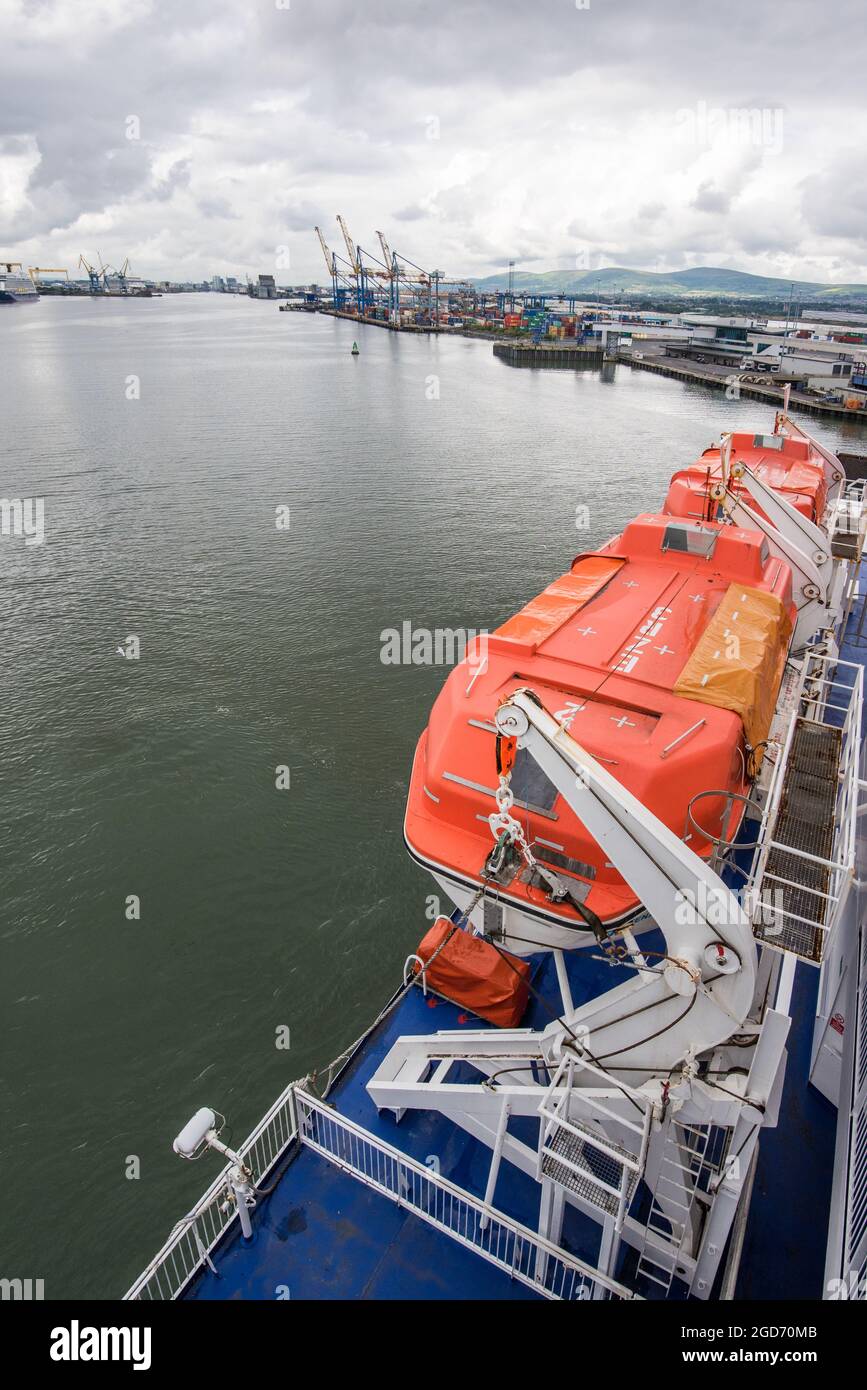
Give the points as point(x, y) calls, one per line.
point(497, 129)
point(710, 199)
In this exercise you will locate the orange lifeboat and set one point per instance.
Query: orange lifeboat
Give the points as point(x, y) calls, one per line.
point(662, 654)
point(791, 466)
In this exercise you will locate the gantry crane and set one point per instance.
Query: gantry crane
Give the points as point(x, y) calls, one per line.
point(35, 271)
point(394, 271)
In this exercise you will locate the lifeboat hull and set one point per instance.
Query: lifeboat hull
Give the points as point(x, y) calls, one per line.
point(628, 651)
point(791, 466)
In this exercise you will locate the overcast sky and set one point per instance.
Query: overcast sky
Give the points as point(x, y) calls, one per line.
point(657, 134)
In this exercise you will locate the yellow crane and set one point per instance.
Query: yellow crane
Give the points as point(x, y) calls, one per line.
point(34, 271)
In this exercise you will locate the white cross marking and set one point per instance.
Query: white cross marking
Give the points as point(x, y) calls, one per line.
point(630, 583)
point(586, 631)
point(664, 650)
point(697, 598)
point(565, 716)
point(622, 721)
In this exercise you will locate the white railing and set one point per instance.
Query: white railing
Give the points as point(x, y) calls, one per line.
point(191, 1242)
point(847, 514)
point(832, 694)
point(855, 1248)
point(846, 1265)
point(520, 1253)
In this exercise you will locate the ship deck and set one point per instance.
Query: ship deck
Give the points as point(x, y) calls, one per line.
point(322, 1234)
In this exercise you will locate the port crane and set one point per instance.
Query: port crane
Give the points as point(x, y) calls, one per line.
point(122, 275)
point(387, 270)
point(390, 262)
point(386, 253)
point(339, 282)
point(397, 274)
point(351, 248)
point(93, 275)
point(356, 261)
point(329, 256)
point(372, 278)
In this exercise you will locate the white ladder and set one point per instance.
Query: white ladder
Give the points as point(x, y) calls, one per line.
point(672, 1201)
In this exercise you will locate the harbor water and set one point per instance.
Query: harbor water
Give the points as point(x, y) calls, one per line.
point(203, 754)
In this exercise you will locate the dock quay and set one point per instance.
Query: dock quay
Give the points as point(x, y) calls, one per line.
point(374, 322)
point(722, 377)
point(543, 355)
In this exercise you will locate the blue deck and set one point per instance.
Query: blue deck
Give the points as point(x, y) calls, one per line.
point(322, 1234)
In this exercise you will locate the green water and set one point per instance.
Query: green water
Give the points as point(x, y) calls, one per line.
point(427, 482)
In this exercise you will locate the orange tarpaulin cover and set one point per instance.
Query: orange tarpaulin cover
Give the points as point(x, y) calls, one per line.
point(739, 659)
point(550, 609)
point(475, 975)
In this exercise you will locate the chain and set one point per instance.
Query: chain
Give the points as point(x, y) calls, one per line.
point(506, 830)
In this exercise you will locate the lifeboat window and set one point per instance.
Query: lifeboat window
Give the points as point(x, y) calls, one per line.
point(768, 441)
point(529, 783)
point(765, 553)
point(692, 540)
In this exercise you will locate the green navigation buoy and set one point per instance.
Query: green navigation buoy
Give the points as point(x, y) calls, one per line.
point(355, 349)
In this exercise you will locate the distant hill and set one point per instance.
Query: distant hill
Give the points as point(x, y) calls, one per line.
point(700, 282)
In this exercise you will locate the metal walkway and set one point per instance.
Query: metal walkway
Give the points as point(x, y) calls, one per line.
point(805, 823)
point(805, 868)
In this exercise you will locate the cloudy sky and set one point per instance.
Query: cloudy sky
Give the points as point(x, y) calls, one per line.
point(210, 136)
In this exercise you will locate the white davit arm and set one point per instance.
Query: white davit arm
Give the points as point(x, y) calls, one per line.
point(791, 537)
point(835, 473)
point(809, 583)
point(703, 991)
point(795, 528)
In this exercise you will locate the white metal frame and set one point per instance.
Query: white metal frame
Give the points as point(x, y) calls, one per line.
point(823, 691)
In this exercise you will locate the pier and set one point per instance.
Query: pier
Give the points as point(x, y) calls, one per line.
point(555, 355)
point(723, 378)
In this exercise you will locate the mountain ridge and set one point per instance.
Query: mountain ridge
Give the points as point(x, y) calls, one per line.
point(696, 282)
